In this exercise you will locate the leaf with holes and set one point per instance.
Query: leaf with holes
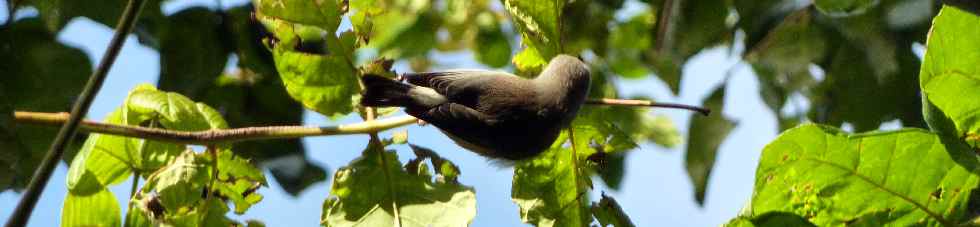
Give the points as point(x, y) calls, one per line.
point(905, 177)
point(550, 190)
point(375, 190)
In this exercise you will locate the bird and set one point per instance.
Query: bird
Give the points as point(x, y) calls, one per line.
point(495, 114)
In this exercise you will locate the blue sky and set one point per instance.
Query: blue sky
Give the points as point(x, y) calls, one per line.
point(655, 189)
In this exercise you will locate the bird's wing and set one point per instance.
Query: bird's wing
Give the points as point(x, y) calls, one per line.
point(453, 81)
point(460, 122)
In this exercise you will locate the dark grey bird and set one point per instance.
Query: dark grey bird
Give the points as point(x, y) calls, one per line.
point(495, 114)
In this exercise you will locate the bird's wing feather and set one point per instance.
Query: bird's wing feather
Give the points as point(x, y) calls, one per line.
point(461, 122)
point(449, 82)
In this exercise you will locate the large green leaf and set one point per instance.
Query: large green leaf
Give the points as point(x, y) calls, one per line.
point(789, 48)
point(628, 41)
point(96, 209)
point(323, 83)
point(692, 27)
point(706, 134)
point(539, 23)
point(180, 183)
point(374, 190)
point(57, 13)
point(771, 219)
point(324, 14)
point(193, 51)
point(551, 190)
point(950, 76)
point(38, 74)
point(491, 46)
point(95, 160)
point(172, 110)
point(906, 177)
point(402, 35)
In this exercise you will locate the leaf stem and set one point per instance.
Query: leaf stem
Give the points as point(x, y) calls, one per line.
point(136, 183)
point(39, 180)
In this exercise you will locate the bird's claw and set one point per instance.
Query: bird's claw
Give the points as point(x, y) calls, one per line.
point(421, 122)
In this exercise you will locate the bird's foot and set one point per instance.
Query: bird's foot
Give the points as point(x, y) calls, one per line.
point(421, 122)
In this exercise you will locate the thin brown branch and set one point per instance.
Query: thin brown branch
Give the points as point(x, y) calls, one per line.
point(271, 132)
point(647, 103)
point(216, 136)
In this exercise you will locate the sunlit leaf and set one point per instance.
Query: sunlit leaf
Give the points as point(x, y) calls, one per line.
point(906, 177)
point(324, 14)
point(608, 212)
point(97, 209)
point(374, 190)
point(323, 83)
point(771, 219)
point(550, 189)
point(539, 23)
point(181, 182)
point(950, 76)
point(529, 62)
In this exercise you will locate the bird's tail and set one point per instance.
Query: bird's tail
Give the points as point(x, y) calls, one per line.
point(381, 91)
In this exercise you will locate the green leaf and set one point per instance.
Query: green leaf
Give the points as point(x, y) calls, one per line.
point(608, 212)
point(628, 41)
point(174, 111)
point(374, 190)
point(843, 8)
point(491, 46)
point(529, 62)
point(193, 51)
point(97, 209)
point(95, 166)
point(790, 47)
point(539, 23)
point(405, 35)
point(181, 182)
point(323, 83)
point(706, 135)
point(950, 76)
point(906, 177)
point(31, 82)
point(138, 213)
point(694, 27)
point(773, 219)
point(241, 193)
point(550, 190)
point(324, 14)
point(233, 167)
point(57, 13)
point(238, 180)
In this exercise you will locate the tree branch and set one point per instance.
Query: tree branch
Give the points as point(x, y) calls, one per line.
point(647, 103)
point(40, 178)
point(273, 132)
point(220, 135)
